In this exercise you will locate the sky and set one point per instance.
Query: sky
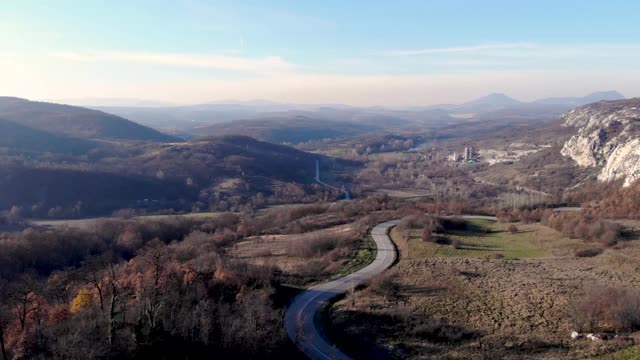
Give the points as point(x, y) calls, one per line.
point(389, 53)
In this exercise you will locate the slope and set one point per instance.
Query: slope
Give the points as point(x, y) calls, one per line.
point(286, 129)
point(21, 138)
point(75, 121)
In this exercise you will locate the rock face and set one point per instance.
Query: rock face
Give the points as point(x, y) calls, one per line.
point(607, 138)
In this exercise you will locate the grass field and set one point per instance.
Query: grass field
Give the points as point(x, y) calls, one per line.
point(364, 256)
point(475, 243)
point(520, 309)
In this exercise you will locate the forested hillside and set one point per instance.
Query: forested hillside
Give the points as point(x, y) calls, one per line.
point(23, 138)
point(75, 121)
point(219, 173)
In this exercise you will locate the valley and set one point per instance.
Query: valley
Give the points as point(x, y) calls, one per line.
point(243, 226)
point(353, 180)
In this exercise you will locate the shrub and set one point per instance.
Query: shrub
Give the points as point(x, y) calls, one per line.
point(427, 234)
point(520, 215)
point(513, 229)
point(616, 201)
point(483, 229)
point(312, 267)
point(607, 309)
point(319, 243)
point(412, 222)
point(442, 240)
point(440, 331)
point(505, 217)
point(580, 226)
point(454, 224)
point(590, 252)
point(385, 284)
point(337, 253)
point(609, 237)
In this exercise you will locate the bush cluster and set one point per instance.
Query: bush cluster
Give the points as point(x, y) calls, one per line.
point(607, 309)
point(579, 226)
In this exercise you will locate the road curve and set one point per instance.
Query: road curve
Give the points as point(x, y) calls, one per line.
point(301, 314)
point(300, 317)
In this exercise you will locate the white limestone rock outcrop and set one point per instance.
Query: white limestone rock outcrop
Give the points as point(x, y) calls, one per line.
point(607, 139)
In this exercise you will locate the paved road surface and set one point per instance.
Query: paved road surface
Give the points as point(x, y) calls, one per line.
point(300, 316)
point(347, 194)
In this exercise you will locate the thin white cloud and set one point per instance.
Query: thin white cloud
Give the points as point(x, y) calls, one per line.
point(460, 49)
point(527, 72)
point(264, 65)
point(529, 51)
point(388, 90)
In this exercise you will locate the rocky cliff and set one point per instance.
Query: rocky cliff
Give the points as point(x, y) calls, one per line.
point(607, 139)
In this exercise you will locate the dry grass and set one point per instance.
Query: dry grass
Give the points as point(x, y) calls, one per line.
point(405, 193)
point(318, 243)
point(309, 257)
point(520, 309)
point(484, 239)
point(88, 223)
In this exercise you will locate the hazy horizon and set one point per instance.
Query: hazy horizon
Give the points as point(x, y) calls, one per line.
point(400, 54)
point(137, 102)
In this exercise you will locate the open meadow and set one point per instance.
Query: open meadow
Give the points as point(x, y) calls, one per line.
point(465, 302)
point(473, 243)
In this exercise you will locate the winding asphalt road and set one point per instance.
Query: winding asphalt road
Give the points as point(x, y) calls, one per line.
point(301, 315)
point(300, 319)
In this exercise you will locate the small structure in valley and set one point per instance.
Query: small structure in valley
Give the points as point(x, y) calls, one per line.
point(469, 155)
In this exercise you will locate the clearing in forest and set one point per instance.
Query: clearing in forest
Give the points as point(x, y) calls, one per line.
point(482, 238)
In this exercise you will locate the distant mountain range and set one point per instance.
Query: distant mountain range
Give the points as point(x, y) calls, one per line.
point(579, 101)
point(73, 121)
point(39, 126)
point(191, 119)
point(496, 101)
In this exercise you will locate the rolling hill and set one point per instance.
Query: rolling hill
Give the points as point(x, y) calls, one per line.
point(72, 193)
point(75, 121)
point(25, 139)
point(292, 129)
point(218, 173)
point(579, 101)
point(208, 160)
point(190, 119)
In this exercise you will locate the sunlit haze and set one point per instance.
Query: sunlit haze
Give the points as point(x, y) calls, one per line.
point(358, 52)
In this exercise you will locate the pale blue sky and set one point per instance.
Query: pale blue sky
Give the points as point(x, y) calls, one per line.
point(357, 52)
